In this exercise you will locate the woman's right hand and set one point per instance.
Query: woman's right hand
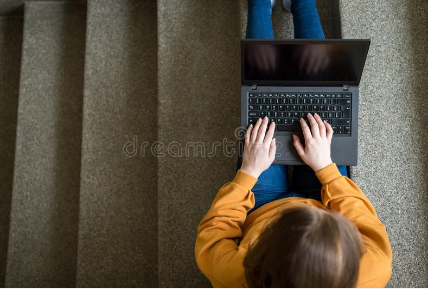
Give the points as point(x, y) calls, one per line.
point(316, 152)
point(260, 147)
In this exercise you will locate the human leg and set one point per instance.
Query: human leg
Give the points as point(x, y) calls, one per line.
point(307, 24)
point(259, 20)
point(306, 184)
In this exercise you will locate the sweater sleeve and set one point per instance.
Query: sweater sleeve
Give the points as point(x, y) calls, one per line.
point(341, 194)
point(216, 250)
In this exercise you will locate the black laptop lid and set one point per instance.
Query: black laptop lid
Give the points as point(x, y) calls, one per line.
point(303, 62)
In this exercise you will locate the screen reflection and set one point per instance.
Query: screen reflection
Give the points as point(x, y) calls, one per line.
point(333, 62)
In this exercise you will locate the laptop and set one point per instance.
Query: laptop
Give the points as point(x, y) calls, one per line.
point(287, 79)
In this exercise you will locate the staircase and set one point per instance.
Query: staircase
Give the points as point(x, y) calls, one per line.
point(92, 94)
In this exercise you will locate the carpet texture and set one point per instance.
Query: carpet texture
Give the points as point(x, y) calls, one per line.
point(44, 217)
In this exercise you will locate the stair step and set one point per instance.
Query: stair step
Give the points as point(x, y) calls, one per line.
point(12, 8)
point(44, 217)
point(10, 63)
point(199, 100)
point(118, 204)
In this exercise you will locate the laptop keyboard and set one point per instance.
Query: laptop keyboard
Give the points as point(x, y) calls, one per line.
point(285, 109)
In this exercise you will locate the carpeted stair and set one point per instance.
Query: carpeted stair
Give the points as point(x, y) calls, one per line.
point(118, 125)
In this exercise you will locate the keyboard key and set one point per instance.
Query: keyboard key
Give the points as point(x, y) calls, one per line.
point(340, 129)
point(252, 107)
point(316, 107)
point(340, 122)
point(289, 127)
point(282, 95)
point(347, 130)
point(344, 101)
point(253, 114)
point(346, 111)
point(336, 108)
point(259, 94)
point(275, 95)
point(339, 95)
point(323, 114)
point(262, 114)
point(308, 108)
point(274, 107)
point(331, 115)
point(253, 95)
point(279, 121)
point(281, 107)
point(252, 120)
point(338, 114)
point(251, 100)
point(301, 107)
point(294, 108)
point(347, 95)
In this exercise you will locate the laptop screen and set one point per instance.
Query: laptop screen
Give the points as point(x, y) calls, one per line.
point(303, 62)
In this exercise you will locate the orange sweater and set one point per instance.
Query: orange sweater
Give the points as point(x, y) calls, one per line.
point(224, 233)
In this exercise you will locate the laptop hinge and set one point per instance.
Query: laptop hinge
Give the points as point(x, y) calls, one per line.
point(254, 87)
point(345, 88)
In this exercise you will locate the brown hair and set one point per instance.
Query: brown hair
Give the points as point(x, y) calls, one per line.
point(305, 247)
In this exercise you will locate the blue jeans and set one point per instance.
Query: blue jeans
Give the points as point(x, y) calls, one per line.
point(305, 18)
point(273, 183)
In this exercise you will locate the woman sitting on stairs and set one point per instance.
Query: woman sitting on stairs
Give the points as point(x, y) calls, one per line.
point(323, 232)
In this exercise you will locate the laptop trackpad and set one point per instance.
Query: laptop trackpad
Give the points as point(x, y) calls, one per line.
point(286, 150)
